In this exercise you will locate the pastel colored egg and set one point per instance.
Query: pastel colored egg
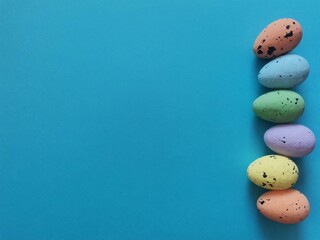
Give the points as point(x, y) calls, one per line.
point(292, 140)
point(273, 172)
point(280, 106)
point(278, 38)
point(286, 71)
point(287, 206)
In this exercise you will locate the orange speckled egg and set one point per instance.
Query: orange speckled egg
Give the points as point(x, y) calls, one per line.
point(285, 206)
point(279, 37)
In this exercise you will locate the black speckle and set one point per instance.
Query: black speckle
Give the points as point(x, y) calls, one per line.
point(263, 184)
point(288, 26)
point(263, 40)
point(270, 185)
point(260, 52)
point(275, 179)
point(262, 202)
point(294, 22)
point(290, 34)
point(280, 76)
point(271, 50)
point(259, 47)
point(264, 175)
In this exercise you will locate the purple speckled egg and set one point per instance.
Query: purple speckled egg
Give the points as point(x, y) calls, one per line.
point(291, 140)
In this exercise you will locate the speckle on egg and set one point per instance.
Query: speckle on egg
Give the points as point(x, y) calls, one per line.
point(286, 71)
point(284, 206)
point(278, 107)
point(299, 140)
point(278, 38)
point(273, 172)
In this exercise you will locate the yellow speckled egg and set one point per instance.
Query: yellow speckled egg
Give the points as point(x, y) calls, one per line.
point(278, 38)
point(274, 172)
point(286, 206)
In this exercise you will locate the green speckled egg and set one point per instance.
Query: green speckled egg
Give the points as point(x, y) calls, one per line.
point(280, 106)
point(274, 172)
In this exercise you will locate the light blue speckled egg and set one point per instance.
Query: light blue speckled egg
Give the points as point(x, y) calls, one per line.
point(286, 71)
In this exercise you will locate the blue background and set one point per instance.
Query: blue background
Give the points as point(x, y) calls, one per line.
point(128, 119)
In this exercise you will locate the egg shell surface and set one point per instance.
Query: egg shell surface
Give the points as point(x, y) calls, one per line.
point(292, 140)
point(287, 206)
point(273, 172)
point(286, 71)
point(278, 38)
point(279, 106)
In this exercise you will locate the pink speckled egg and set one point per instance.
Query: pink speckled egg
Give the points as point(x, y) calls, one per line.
point(284, 206)
point(278, 38)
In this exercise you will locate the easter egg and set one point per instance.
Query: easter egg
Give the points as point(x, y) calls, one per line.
point(286, 206)
point(280, 106)
point(292, 140)
point(286, 71)
point(278, 38)
point(273, 172)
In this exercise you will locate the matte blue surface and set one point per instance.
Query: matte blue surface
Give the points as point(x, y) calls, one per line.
point(128, 119)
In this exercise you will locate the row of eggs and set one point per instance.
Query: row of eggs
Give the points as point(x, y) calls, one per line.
point(279, 173)
point(282, 204)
